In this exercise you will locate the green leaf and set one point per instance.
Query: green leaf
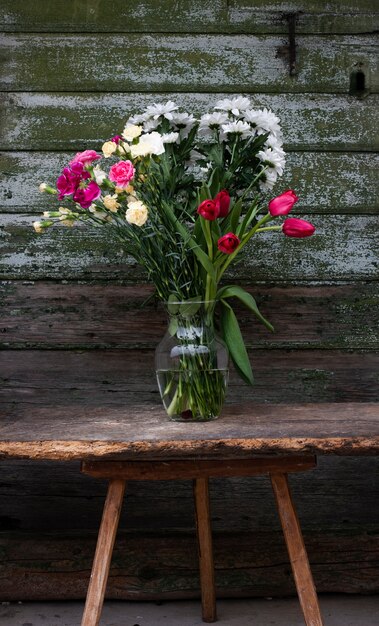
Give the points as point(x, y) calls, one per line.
point(234, 291)
point(234, 340)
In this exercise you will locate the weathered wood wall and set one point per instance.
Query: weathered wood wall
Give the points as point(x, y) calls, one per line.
point(71, 72)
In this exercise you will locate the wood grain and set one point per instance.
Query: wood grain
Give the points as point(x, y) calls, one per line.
point(51, 315)
point(157, 567)
point(343, 248)
point(189, 16)
point(166, 62)
point(76, 121)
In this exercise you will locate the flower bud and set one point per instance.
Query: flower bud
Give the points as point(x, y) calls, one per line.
point(282, 205)
point(209, 210)
point(222, 201)
point(228, 243)
point(294, 227)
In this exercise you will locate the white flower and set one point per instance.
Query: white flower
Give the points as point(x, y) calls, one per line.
point(137, 119)
point(63, 211)
point(101, 215)
point(274, 142)
point(151, 143)
point(110, 202)
point(182, 120)
point(99, 174)
point(238, 128)
point(108, 148)
point(273, 158)
point(131, 131)
point(235, 105)
point(211, 121)
point(264, 120)
point(136, 213)
point(268, 180)
point(156, 110)
point(150, 125)
point(170, 137)
point(42, 187)
point(38, 227)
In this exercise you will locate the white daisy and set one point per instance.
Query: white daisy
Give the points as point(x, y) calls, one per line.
point(264, 121)
point(170, 137)
point(235, 105)
point(273, 158)
point(156, 110)
point(274, 142)
point(138, 119)
point(268, 180)
point(150, 125)
point(237, 128)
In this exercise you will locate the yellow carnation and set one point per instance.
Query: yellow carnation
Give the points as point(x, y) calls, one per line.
point(110, 202)
point(108, 148)
point(131, 131)
point(136, 213)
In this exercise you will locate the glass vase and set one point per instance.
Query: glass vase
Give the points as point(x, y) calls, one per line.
point(191, 363)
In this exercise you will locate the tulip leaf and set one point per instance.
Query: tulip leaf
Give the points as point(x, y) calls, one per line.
point(232, 336)
point(235, 291)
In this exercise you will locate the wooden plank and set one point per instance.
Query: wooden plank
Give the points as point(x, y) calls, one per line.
point(163, 62)
point(71, 315)
point(205, 549)
point(82, 120)
point(138, 430)
point(44, 496)
point(157, 567)
point(189, 16)
point(326, 182)
point(100, 378)
point(187, 470)
point(343, 248)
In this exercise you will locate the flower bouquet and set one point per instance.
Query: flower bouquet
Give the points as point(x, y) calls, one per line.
point(185, 195)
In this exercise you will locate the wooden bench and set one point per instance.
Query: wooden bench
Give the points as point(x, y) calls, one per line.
point(138, 443)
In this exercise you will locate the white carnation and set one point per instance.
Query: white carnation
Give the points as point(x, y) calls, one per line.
point(136, 213)
point(99, 174)
point(108, 148)
point(110, 202)
point(151, 143)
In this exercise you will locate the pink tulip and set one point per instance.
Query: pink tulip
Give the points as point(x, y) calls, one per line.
point(222, 201)
point(294, 227)
point(282, 205)
point(209, 210)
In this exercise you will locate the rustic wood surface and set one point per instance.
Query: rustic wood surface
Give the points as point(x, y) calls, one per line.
point(190, 16)
point(321, 297)
point(138, 431)
point(47, 315)
point(310, 122)
point(168, 62)
point(165, 566)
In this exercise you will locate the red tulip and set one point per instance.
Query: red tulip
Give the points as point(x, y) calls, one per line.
point(282, 205)
point(228, 243)
point(222, 201)
point(293, 227)
point(209, 210)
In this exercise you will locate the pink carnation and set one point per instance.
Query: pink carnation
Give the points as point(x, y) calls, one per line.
point(86, 195)
point(121, 173)
point(85, 157)
point(69, 180)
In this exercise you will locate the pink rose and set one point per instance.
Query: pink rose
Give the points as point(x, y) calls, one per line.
point(294, 227)
point(282, 205)
point(69, 180)
point(86, 195)
point(85, 157)
point(228, 243)
point(121, 173)
point(208, 210)
point(222, 201)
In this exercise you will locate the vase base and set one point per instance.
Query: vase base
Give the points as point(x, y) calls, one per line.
point(187, 416)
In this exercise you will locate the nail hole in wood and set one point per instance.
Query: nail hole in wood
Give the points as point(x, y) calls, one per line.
point(357, 83)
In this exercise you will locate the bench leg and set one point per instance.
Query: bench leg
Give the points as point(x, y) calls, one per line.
point(204, 535)
point(296, 549)
point(103, 555)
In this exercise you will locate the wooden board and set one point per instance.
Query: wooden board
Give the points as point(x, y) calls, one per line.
point(326, 182)
point(138, 429)
point(115, 378)
point(71, 315)
point(73, 121)
point(158, 567)
point(204, 63)
point(344, 248)
point(255, 16)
